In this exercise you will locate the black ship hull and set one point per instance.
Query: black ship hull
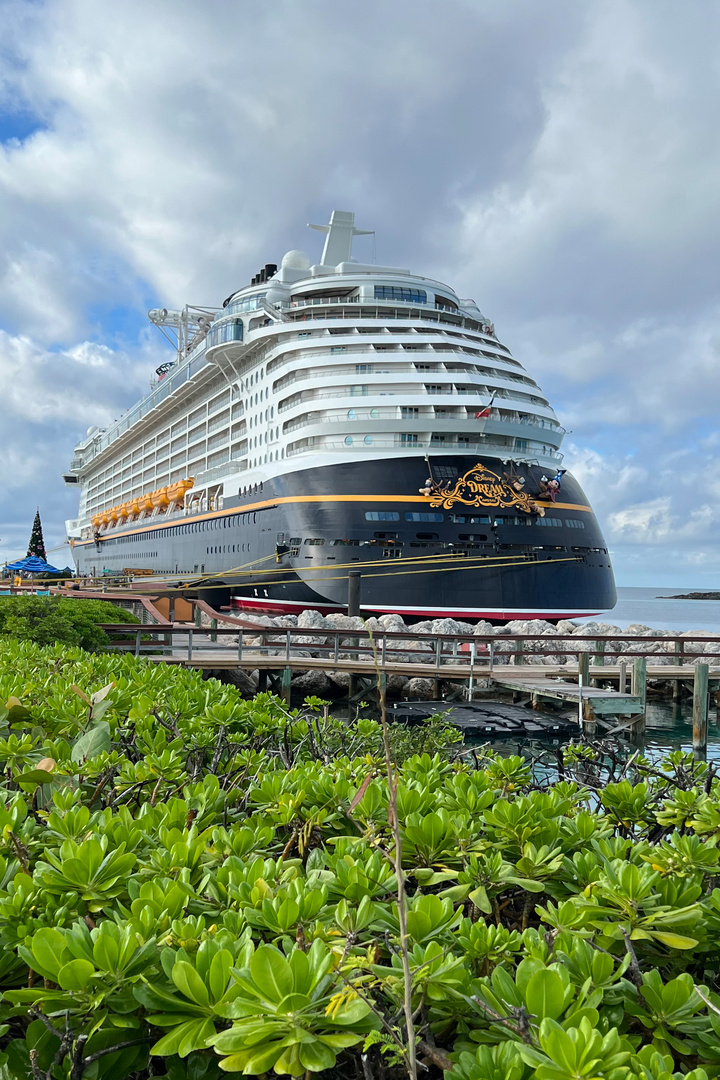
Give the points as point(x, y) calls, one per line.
point(482, 541)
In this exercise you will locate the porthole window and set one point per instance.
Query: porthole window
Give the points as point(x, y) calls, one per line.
point(375, 414)
point(368, 440)
point(348, 440)
point(352, 415)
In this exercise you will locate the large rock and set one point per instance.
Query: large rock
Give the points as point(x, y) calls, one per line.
point(286, 620)
point(245, 681)
point(420, 690)
point(485, 629)
point(337, 621)
point(566, 626)
point(394, 623)
point(310, 619)
point(450, 626)
point(312, 683)
point(396, 686)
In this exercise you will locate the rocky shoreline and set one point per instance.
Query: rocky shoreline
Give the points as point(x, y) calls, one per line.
point(414, 649)
point(692, 596)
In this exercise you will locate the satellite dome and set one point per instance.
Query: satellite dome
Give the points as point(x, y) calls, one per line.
point(92, 430)
point(295, 260)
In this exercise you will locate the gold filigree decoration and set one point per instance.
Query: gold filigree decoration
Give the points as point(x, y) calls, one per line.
point(482, 487)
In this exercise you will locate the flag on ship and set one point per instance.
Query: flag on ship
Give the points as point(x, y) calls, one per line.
point(485, 413)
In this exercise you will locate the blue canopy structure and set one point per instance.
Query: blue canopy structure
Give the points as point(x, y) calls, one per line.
point(33, 565)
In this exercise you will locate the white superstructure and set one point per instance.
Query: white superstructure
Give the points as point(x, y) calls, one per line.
point(311, 365)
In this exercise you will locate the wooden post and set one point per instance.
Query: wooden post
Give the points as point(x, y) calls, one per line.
point(436, 690)
point(262, 680)
point(353, 592)
point(198, 615)
point(700, 712)
point(171, 609)
point(638, 688)
point(589, 720)
point(213, 626)
point(519, 646)
point(285, 685)
point(599, 659)
point(677, 661)
point(584, 669)
point(622, 676)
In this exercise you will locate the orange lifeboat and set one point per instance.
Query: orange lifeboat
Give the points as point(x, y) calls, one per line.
point(134, 507)
point(123, 512)
point(95, 521)
point(113, 514)
point(105, 517)
point(146, 502)
point(176, 491)
point(160, 497)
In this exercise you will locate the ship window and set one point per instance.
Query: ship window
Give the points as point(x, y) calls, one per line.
point(394, 292)
point(574, 523)
point(548, 521)
point(392, 553)
point(408, 439)
point(338, 349)
point(472, 536)
point(348, 440)
point(424, 517)
point(427, 536)
point(409, 412)
point(381, 515)
point(368, 440)
point(352, 415)
point(374, 414)
point(316, 540)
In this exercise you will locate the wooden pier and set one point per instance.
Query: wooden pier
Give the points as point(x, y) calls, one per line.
point(458, 665)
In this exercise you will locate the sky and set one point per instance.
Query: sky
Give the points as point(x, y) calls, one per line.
point(558, 162)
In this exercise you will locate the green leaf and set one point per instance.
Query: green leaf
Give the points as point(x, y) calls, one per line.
point(189, 983)
point(96, 740)
point(674, 941)
point(479, 898)
point(76, 975)
point(271, 973)
point(48, 947)
point(170, 1043)
point(545, 994)
point(315, 1056)
point(219, 973)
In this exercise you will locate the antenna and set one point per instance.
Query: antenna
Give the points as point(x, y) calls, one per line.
point(339, 237)
point(183, 329)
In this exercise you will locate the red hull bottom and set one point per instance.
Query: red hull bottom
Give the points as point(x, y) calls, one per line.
point(292, 607)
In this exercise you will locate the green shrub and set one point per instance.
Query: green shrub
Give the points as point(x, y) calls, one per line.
point(193, 885)
point(59, 620)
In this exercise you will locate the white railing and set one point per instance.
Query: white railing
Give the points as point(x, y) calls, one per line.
point(320, 446)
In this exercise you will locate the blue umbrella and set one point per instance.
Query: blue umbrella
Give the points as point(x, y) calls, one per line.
point(33, 565)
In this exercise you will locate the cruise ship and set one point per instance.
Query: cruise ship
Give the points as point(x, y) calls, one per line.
point(339, 418)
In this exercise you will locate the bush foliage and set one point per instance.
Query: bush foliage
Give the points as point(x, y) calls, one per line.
point(195, 885)
point(59, 620)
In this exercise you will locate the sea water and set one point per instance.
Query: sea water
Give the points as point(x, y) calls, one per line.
point(652, 608)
